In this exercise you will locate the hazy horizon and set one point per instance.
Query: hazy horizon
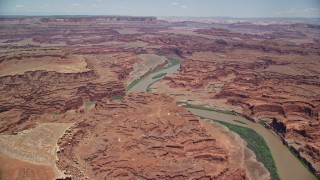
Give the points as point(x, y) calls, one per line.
point(165, 8)
point(196, 17)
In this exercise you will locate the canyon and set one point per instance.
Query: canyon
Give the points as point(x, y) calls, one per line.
point(66, 111)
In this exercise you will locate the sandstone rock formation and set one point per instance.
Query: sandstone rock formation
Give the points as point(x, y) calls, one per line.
point(167, 142)
point(68, 70)
point(40, 91)
point(264, 86)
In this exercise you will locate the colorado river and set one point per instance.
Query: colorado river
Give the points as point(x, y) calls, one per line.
point(145, 82)
point(288, 166)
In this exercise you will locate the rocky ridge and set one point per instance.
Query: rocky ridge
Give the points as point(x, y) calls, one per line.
point(168, 142)
point(252, 89)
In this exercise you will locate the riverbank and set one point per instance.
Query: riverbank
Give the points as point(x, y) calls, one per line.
point(186, 105)
point(143, 83)
point(171, 62)
point(266, 126)
point(256, 143)
point(294, 151)
point(288, 166)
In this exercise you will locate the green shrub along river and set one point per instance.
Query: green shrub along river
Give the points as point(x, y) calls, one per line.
point(209, 109)
point(172, 62)
point(257, 144)
point(159, 75)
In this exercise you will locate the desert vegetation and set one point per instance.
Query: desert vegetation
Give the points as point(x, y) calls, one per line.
point(257, 144)
point(160, 75)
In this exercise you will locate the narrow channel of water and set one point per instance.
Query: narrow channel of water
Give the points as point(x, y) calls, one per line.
point(288, 166)
point(145, 82)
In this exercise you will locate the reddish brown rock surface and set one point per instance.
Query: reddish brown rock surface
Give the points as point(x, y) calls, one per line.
point(283, 89)
point(142, 136)
point(167, 142)
point(38, 92)
point(67, 70)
